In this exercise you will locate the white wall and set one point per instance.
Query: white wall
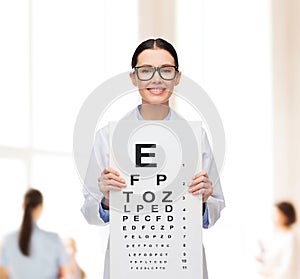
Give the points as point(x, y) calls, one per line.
point(225, 46)
point(286, 88)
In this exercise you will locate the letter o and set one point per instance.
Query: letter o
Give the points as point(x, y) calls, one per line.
point(151, 194)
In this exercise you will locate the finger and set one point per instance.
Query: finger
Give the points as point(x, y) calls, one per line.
point(110, 170)
point(199, 180)
point(201, 173)
point(205, 198)
point(198, 192)
point(205, 194)
point(116, 183)
point(105, 188)
point(107, 171)
point(112, 176)
point(196, 187)
point(111, 182)
point(202, 185)
point(114, 188)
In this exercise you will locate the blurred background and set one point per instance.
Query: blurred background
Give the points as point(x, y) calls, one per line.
point(244, 54)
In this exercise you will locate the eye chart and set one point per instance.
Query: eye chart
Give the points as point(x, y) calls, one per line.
point(155, 223)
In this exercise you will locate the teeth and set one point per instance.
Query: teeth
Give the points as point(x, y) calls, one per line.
point(156, 90)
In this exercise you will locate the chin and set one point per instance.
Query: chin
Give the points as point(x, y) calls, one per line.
point(156, 99)
point(156, 102)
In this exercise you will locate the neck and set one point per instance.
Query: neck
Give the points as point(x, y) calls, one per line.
point(36, 213)
point(154, 112)
point(284, 228)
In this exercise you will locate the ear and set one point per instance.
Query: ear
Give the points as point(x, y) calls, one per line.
point(133, 79)
point(177, 79)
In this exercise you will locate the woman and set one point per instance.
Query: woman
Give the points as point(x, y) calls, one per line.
point(31, 252)
point(155, 74)
point(278, 259)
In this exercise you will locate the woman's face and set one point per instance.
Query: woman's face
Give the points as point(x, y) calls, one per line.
point(279, 218)
point(156, 90)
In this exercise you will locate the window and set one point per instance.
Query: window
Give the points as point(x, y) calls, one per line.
point(54, 55)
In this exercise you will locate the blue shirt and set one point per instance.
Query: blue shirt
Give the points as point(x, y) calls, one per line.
point(47, 254)
point(104, 214)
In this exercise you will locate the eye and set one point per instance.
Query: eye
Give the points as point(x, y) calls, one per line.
point(167, 70)
point(145, 70)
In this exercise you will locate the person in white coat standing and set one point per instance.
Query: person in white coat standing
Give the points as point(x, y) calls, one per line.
point(155, 74)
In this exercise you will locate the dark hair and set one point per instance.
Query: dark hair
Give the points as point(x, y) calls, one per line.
point(32, 199)
point(154, 44)
point(289, 212)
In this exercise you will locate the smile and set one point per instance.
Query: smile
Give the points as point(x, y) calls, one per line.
point(156, 90)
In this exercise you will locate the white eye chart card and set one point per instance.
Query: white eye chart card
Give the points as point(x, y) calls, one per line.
point(155, 223)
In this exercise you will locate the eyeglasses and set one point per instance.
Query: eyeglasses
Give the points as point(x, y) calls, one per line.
point(145, 73)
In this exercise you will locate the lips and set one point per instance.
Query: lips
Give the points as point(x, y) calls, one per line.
point(156, 90)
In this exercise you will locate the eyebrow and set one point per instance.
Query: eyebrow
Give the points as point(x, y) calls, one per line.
point(148, 65)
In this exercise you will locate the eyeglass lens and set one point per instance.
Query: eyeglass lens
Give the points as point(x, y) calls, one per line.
point(147, 72)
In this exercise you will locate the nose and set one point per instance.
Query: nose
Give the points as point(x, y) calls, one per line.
point(156, 78)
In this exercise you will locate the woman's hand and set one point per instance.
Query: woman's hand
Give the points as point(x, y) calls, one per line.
point(201, 185)
point(110, 180)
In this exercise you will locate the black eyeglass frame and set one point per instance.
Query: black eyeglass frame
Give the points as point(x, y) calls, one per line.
point(155, 69)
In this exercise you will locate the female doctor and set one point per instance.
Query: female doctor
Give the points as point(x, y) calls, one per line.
point(155, 74)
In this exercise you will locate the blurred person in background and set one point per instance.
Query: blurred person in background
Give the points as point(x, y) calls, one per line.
point(73, 269)
point(30, 252)
point(278, 255)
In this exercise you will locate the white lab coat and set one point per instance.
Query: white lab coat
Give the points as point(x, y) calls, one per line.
point(100, 159)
